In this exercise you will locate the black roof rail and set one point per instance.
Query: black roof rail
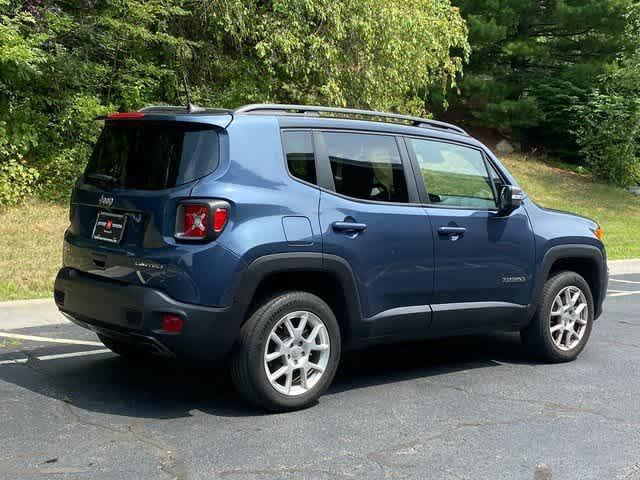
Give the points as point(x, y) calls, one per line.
point(182, 109)
point(265, 108)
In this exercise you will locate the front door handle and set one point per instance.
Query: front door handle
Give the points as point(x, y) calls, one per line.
point(454, 233)
point(348, 226)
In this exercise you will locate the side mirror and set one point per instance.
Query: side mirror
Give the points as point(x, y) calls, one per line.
point(510, 198)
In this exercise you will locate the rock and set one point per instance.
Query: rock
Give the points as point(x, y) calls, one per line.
point(635, 190)
point(542, 472)
point(504, 147)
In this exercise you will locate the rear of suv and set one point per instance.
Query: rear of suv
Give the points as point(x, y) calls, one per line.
point(275, 237)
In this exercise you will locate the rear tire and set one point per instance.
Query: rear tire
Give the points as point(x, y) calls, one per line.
point(288, 352)
point(562, 324)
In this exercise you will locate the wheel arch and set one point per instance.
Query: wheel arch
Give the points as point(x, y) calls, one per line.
point(586, 260)
point(327, 276)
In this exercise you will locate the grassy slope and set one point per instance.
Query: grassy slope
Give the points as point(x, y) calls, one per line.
point(30, 249)
point(617, 211)
point(31, 235)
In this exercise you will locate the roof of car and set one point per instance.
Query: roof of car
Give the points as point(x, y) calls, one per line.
point(325, 116)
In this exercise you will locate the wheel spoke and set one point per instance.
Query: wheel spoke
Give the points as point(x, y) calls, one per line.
point(290, 329)
point(269, 357)
point(560, 337)
point(319, 347)
point(314, 333)
point(580, 308)
point(567, 297)
point(278, 373)
point(288, 380)
point(303, 377)
point(575, 298)
point(275, 338)
point(304, 318)
point(556, 327)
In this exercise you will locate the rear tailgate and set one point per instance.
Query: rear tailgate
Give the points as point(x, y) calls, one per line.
point(140, 169)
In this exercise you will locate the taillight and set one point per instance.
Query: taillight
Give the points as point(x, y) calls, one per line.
point(220, 217)
point(200, 219)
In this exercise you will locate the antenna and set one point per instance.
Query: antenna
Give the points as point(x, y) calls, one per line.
point(191, 108)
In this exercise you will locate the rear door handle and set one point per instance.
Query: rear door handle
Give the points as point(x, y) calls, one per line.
point(348, 226)
point(454, 233)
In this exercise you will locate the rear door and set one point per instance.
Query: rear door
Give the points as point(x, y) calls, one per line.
point(483, 260)
point(370, 216)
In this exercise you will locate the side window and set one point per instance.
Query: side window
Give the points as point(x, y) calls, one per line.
point(298, 148)
point(366, 166)
point(453, 175)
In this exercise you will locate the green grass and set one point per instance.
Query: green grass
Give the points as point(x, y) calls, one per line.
point(617, 210)
point(31, 234)
point(30, 248)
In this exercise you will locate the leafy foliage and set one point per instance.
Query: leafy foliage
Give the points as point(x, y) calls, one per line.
point(533, 61)
point(64, 62)
point(610, 130)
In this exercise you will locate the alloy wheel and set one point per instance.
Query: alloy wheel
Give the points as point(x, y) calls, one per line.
point(296, 353)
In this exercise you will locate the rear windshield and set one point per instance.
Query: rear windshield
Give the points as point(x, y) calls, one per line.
point(152, 156)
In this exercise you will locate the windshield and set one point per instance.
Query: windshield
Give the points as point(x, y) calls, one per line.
point(152, 156)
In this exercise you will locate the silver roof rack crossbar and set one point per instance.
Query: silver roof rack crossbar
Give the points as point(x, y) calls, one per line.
point(316, 110)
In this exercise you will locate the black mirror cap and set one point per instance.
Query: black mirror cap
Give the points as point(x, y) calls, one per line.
point(511, 197)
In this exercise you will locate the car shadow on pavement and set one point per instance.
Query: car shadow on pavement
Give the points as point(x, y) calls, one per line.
point(161, 389)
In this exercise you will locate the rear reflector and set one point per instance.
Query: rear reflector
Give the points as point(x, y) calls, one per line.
point(172, 323)
point(125, 115)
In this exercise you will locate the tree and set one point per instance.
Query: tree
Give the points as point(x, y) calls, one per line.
point(91, 57)
point(534, 60)
point(609, 131)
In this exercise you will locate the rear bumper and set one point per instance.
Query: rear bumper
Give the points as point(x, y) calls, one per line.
point(133, 314)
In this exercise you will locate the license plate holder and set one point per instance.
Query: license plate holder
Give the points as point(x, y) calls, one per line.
point(109, 227)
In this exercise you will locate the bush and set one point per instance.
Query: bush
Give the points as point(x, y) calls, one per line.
point(610, 137)
point(17, 181)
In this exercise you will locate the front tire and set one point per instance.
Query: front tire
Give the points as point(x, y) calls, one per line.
point(562, 324)
point(288, 352)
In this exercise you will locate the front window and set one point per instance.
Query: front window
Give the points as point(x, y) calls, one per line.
point(454, 175)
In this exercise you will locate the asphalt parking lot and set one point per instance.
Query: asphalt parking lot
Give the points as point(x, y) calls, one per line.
point(469, 408)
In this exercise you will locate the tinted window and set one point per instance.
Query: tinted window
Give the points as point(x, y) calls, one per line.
point(151, 156)
point(298, 147)
point(366, 166)
point(453, 175)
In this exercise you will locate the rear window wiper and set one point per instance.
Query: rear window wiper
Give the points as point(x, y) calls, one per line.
point(102, 177)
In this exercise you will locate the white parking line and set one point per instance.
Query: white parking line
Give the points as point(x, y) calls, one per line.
point(621, 293)
point(624, 281)
point(34, 338)
point(17, 361)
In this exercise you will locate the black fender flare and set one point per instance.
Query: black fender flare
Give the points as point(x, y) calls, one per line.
point(337, 267)
point(559, 252)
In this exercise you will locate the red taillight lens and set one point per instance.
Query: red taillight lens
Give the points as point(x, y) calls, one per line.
point(172, 323)
point(220, 217)
point(201, 220)
point(195, 221)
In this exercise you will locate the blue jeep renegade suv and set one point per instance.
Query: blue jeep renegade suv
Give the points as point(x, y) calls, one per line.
point(277, 236)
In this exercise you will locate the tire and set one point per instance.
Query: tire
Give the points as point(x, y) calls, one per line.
point(555, 312)
point(125, 350)
point(307, 314)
